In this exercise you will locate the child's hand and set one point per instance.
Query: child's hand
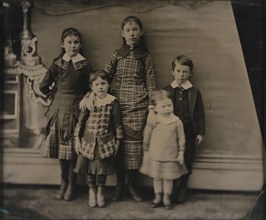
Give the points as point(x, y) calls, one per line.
point(82, 104)
point(145, 146)
point(180, 157)
point(152, 118)
point(117, 143)
point(77, 145)
point(199, 139)
point(87, 103)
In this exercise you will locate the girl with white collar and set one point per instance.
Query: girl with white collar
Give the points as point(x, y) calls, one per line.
point(65, 83)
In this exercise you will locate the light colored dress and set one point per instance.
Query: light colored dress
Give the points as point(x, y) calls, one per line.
point(164, 141)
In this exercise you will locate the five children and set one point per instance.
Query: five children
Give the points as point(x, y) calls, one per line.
point(109, 132)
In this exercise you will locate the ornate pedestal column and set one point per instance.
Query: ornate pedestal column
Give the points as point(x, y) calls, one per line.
point(34, 102)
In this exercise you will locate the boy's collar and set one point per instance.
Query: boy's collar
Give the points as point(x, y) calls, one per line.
point(186, 85)
point(75, 59)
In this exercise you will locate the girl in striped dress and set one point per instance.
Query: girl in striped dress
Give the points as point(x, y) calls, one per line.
point(133, 78)
point(164, 146)
point(66, 82)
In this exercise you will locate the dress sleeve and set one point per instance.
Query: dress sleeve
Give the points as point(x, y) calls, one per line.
point(116, 120)
point(88, 71)
point(199, 115)
point(180, 135)
point(47, 85)
point(147, 134)
point(83, 117)
point(149, 74)
point(110, 66)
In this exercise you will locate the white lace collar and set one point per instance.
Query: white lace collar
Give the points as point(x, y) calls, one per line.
point(75, 59)
point(105, 101)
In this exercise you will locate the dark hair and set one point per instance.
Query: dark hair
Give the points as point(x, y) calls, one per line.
point(182, 60)
point(132, 18)
point(99, 73)
point(67, 32)
point(159, 95)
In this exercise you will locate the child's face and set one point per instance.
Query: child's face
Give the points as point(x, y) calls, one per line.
point(181, 73)
point(164, 107)
point(100, 87)
point(71, 45)
point(132, 33)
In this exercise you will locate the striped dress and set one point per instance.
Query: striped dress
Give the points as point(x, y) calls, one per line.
point(133, 76)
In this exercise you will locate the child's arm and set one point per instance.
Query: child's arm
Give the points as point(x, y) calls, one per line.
point(117, 125)
point(152, 116)
point(87, 102)
point(78, 132)
point(110, 66)
point(150, 83)
point(181, 142)
point(47, 84)
point(146, 137)
point(199, 118)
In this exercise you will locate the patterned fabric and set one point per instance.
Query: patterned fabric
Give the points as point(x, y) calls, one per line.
point(70, 87)
point(133, 81)
point(98, 131)
point(100, 128)
point(49, 147)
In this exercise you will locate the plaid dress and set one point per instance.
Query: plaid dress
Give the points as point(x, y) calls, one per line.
point(133, 79)
point(71, 83)
point(98, 131)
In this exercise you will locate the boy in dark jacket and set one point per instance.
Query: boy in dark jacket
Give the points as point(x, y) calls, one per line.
point(188, 106)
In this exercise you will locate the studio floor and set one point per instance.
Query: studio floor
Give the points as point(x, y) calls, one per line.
point(37, 202)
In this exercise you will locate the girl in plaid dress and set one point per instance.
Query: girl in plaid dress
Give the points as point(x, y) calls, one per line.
point(163, 145)
point(133, 78)
point(98, 135)
point(65, 82)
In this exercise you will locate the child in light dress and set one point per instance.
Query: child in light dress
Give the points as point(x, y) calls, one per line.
point(164, 146)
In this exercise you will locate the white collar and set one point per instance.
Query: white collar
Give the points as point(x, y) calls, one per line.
point(106, 100)
point(186, 85)
point(77, 58)
point(172, 118)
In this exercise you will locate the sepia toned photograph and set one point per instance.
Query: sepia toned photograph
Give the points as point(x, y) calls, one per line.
point(133, 109)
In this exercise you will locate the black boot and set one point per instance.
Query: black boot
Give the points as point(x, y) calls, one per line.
point(61, 192)
point(119, 192)
point(132, 185)
point(71, 182)
point(182, 190)
point(64, 179)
